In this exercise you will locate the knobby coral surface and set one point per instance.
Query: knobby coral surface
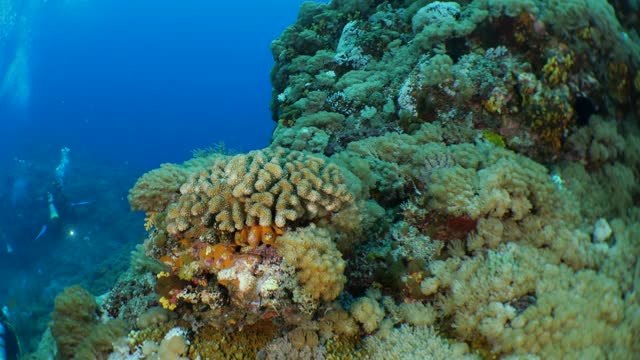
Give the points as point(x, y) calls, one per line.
point(445, 180)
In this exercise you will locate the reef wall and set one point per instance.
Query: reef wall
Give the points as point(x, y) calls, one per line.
point(446, 180)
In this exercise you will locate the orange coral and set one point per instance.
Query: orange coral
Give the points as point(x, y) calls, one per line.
point(220, 256)
point(199, 256)
point(167, 260)
point(255, 235)
point(229, 264)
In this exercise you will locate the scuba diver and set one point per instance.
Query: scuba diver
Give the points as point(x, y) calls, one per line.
point(56, 199)
point(53, 224)
point(52, 209)
point(9, 343)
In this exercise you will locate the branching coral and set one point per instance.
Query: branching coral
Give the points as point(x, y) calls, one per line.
point(266, 187)
point(467, 168)
point(227, 235)
point(157, 188)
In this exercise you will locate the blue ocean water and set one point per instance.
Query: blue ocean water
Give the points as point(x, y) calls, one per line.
point(141, 81)
point(125, 85)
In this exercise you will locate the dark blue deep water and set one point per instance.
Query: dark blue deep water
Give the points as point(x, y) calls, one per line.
point(125, 85)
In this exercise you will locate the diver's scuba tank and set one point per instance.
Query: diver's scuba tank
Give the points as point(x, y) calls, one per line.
point(53, 212)
point(9, 345)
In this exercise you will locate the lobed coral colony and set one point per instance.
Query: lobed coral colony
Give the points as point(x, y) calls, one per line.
point(446, 180)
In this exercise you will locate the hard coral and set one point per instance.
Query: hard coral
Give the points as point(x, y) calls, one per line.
point(255, 235)
point(157, 188)
point(265, 187)
point(423, 102)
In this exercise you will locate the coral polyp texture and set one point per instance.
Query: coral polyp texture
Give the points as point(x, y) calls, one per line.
point(319, 263)
point(445, 180)
point(238, 235)
point(268, 187)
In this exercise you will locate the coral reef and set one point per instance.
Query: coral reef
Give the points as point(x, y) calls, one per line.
point(267, 187)
point(238, 236)
point(73, 317)
point(78, 332)
point(367, 312)
point(445, 180)
point(532, 70)
point(415, 343)
point(318, 263)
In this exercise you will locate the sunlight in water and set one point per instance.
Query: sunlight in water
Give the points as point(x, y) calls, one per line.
point(16, 17)
point(7, 18)
point(16, 89)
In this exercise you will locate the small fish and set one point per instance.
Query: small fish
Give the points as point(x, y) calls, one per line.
point(42, 231)
point(81, 203)
point(9, 248)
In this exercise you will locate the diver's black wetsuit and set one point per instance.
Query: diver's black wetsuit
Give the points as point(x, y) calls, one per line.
point(9, 344)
